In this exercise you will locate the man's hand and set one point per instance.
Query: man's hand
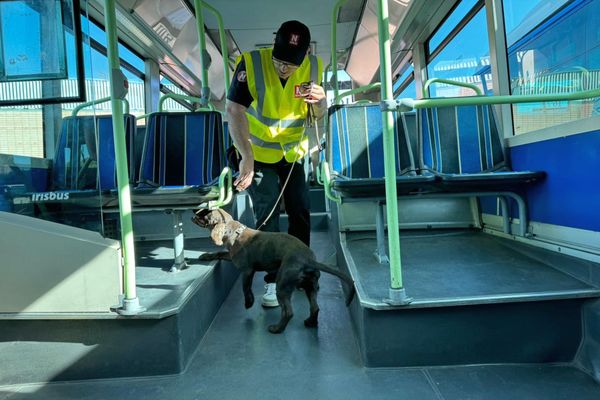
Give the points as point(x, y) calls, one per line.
point(244, 179)
point(314, 94)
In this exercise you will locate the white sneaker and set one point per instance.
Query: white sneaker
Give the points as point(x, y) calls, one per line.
point(269, 299)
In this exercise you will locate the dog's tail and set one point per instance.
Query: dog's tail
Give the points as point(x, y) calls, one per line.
point(343, 276)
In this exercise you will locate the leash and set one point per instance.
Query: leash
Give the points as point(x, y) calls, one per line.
point(310, 119)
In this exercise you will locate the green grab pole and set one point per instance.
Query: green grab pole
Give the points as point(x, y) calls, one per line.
point(385, 71)
point(99, 101)
point(361, 89)
point(428, 83)
point(130, 304)
point(222, 40)
point(205, 91)
point(334, 15)
point(506, 99)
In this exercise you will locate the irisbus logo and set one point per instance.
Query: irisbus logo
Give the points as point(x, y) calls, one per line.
point(49, 196)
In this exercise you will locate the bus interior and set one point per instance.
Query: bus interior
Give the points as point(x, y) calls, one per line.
point(453, 178)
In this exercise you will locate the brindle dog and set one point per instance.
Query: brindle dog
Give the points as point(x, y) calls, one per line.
point(251, 250)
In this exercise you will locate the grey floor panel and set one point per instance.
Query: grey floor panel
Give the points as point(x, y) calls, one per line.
point(162, 292)
point(455, 265)
point(510, 382)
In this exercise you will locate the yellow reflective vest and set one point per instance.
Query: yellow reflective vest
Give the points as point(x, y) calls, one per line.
point(277, 114)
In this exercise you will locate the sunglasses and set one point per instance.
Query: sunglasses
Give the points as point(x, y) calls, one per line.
point(282, 64)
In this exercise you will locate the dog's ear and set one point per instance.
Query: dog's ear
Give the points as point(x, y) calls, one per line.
point(218, 233)
point(199, 217)
point(226, 217)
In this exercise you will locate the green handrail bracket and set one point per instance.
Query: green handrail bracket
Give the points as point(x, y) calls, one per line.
point(453, 83)
point(318, 174)
point(354, 91)
point(99, 101)
point(225, 190)
point(325, 174)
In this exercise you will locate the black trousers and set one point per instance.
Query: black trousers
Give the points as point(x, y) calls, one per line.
point(264, 191)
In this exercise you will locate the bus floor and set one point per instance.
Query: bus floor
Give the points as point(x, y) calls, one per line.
point(239, 359)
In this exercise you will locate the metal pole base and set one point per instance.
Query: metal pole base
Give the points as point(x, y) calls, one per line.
point(130, 307)
point(176, 267)
point(398, 297)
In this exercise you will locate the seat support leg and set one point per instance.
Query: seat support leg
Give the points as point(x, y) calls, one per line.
point(179, 262)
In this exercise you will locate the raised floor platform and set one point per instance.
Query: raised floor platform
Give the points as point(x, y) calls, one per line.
point(476, 298)
point(180, 308)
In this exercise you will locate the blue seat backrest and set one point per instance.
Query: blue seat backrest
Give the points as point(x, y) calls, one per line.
point(460, 139)
point(183, 148)
point(356, 141)
point(85, 154)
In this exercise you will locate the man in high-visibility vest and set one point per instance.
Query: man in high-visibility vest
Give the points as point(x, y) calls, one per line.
point(267, 106)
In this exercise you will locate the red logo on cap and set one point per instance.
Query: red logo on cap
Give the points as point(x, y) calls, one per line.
point(294, 39)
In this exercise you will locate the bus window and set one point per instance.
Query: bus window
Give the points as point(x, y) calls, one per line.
point(552, 51)
point(464, 58)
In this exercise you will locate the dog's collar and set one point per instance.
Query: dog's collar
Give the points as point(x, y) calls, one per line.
point(239, 231)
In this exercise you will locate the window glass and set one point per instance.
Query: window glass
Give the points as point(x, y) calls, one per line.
point(344, 85)
point(560, 55)
point(407, 90)
point(520, 17)
point(465, 59)
point(450, 23)
point(124, 53)
point(170, 104)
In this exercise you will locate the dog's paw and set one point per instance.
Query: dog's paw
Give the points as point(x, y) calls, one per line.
point(249, 301)
point(275, 329)
point(207, 257)
point(311, 322)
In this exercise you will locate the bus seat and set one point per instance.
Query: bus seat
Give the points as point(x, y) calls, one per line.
point(76, 165)
point(462, 146)
point(356, 152)
point(182, 149)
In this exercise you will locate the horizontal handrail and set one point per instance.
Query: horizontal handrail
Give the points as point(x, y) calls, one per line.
point(485, 100)
point(98, 101)
point(177, 96)
point(351, 92)
point(452, 83)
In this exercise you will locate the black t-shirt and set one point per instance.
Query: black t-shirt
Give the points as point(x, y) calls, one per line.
point(238, 89)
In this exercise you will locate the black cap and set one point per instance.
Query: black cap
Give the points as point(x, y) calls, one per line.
point(291, 42)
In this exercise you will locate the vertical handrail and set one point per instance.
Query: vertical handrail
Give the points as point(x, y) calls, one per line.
point(205, 90)
point(397, 292)
point(336, 9)
point(224, 49)
point(131, 304)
